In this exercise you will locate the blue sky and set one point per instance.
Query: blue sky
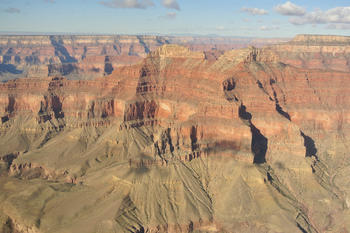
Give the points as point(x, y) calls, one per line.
point(253, 18)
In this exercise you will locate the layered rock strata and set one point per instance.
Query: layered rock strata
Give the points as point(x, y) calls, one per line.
point(88, 57)
point(316, 52)
point(181, 142)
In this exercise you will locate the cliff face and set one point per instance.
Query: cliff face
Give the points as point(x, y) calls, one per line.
point(180, 142)
point(88, 57)
point(78, 57)
point(316, 52)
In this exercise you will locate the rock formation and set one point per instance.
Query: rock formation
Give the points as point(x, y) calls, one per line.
point(316, 52)
point(88, 57)
point(247, 140)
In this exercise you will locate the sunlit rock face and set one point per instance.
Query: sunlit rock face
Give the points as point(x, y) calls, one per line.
point(316, 52)
point(245, 140)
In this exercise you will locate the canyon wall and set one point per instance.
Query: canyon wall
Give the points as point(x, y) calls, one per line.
point(316, 52)
point(183, 141)
point(88, 57)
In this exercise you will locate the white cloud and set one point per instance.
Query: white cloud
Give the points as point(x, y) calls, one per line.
point(140, 4)
point(255, 11)
point(169, 15)
point(290, 8)
point(335, 15)
point(336, 18)
point(12, 10)
point(171, 4)
point(269, 28)
point(220, 28)
point(338, 26)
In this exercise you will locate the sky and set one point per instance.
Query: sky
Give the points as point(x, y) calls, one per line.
point(244, 18)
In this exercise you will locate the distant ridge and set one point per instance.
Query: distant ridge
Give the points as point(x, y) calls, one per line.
point(90, 56)
point(321, 39)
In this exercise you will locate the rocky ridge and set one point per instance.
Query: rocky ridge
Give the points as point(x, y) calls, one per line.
point(88, 57)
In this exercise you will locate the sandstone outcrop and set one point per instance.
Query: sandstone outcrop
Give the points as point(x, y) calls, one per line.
point(184, 141)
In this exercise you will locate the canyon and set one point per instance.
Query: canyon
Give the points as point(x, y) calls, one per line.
point(89, 57)
point(178, 138)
